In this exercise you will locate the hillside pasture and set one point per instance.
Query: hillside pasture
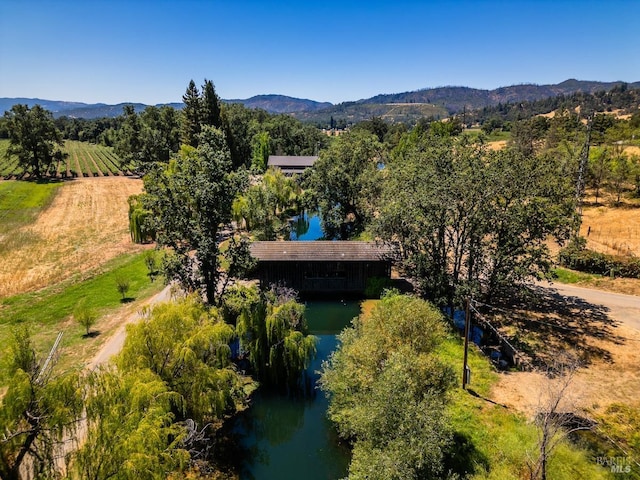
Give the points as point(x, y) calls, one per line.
point(81, 160)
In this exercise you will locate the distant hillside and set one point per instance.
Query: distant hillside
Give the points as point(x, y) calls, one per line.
point(443, 101)
point(270, 103)
point(76, 109)
point(354, 112)
point(282, 104)
point(398, 107)
point(455, 99)
point(51, 105)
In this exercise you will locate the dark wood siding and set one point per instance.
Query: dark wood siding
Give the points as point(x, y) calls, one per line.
point(323, 266)
point(323, 277)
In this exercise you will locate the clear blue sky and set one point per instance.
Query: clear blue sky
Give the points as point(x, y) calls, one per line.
point(147, 51)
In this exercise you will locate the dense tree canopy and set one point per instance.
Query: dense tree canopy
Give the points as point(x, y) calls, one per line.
point(471, 220)
point(344, 182)
point(33, 137)
point(388, 389)
point(190, 197)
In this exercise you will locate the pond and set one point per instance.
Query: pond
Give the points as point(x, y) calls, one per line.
point(291, 438)
point(305, 227)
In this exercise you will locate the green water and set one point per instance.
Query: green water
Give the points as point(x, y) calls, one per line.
point(291, 438)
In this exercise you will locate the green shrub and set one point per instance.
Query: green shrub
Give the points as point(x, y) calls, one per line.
point(85, 316)
point(375, 286)
point(122, 284)
point(577, 257)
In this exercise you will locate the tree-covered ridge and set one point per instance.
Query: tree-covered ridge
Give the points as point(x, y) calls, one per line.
point(622, 98)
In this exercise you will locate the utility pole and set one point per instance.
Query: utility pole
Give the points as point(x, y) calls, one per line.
point(582, 168)
point(467, 327)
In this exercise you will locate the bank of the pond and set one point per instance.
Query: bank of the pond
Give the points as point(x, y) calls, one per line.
point(283, 437)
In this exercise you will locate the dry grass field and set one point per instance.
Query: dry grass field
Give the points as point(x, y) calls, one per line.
point(613, 230)
point(85, 226)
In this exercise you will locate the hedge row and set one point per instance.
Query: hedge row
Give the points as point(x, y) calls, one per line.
point(577, 257)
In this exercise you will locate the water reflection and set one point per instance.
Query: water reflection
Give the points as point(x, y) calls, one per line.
point(306, 227)
point(286, 437)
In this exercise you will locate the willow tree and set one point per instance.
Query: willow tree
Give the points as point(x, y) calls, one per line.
point(131, 428)
point(139, 220)
point(273, 333)
point(38, 412)
point(187, 346)
point(265, 208)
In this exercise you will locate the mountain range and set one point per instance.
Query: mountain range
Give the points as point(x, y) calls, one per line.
point(437, 102)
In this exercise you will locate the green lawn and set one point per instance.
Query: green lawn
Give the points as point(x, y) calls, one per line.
point(49, 311)
point(21, 202)
point(493, 441)
point(564, 275)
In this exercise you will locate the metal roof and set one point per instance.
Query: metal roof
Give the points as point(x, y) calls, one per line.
point(323, 250)
point(291, 161)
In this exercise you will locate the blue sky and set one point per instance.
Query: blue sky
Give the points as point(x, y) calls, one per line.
point(147, 51)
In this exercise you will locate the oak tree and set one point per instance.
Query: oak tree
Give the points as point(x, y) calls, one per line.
point(33, 138)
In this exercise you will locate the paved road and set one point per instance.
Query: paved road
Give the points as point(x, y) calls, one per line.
point(116, 342)
point(623, 308)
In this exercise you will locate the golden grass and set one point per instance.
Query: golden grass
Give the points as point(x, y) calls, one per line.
point(613, 230)
point(497, 145)
point(85, 226)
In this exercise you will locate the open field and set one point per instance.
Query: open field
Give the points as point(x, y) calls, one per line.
point(82, 160)
point(62, 242)
point(602, 331)
point(613, 230)
point(84, 226)
point(49, 311)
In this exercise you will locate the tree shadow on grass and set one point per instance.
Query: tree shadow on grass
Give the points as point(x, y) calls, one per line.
point(463, 458)
point(477, 395)
point(544, 322)
point(127, 299)
point(91, 334)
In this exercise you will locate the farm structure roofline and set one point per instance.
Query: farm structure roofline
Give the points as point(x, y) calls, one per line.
point(291, 161)
point(323, 251)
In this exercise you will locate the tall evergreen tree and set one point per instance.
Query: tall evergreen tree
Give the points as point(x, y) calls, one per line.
point(210, 105)
point(191, 115)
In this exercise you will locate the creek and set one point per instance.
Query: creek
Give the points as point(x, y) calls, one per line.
point(289, 437)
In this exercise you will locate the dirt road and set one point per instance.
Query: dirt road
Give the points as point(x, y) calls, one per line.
point(624, 309)
point(613, 378)
point(115, 343)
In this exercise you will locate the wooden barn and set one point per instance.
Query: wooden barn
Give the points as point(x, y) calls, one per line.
point(323, 266)
point(291, 164)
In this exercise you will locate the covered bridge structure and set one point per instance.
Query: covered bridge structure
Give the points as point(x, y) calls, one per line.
point(323, 266)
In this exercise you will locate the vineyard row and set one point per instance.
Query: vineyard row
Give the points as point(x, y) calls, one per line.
point(81, 159)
